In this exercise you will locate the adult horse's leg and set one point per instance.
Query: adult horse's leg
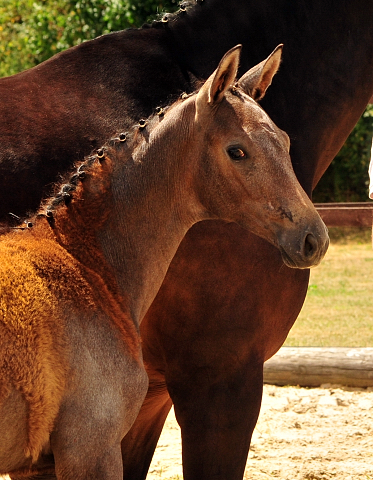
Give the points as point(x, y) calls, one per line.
point(213, 340)
point(217, 421)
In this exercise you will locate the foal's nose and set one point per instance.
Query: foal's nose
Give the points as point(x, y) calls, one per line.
point(305, 250)
point(313, 249)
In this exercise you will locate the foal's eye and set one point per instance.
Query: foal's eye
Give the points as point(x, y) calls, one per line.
point(236, 154)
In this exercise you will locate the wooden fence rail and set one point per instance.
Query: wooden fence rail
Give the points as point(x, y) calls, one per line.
point(346, 214)
point(315, 366)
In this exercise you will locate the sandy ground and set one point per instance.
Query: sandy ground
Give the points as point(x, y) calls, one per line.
point(302, 434)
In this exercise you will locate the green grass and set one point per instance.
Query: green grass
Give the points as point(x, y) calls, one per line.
point(338, 311)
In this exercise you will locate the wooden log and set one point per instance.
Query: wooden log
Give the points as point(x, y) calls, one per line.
point(315, 366)
point(346, 214)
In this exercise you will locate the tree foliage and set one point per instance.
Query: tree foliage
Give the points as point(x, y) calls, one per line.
point(33, 30)
point(346, 180)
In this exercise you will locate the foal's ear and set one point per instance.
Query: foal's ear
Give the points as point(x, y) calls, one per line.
point(256, 81)
point(213, 90)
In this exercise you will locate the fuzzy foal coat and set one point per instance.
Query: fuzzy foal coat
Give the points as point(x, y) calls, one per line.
point(42, 284)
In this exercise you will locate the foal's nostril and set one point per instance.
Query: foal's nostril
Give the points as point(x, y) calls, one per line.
point(310, 245)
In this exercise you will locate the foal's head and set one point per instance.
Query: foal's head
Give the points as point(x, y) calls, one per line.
point(245, 172)
point(214, 154)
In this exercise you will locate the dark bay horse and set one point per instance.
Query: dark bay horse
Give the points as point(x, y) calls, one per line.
point(242, 305)
point(77, 281)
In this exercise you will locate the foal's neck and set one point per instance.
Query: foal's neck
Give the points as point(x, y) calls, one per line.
point(141, 220)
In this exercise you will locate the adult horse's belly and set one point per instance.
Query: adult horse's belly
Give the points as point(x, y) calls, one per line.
point(226, 305)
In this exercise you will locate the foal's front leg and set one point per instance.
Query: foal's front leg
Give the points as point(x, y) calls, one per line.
point(106, 388)
point(86, 442)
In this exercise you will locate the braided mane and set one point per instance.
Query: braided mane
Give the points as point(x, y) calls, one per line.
point(164, 18)
point(131, 139)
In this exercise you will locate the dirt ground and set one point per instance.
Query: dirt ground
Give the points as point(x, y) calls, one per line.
point(302, 434)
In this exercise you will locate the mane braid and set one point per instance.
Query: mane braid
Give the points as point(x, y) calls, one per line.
point(66, 188)
point(164, 18)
